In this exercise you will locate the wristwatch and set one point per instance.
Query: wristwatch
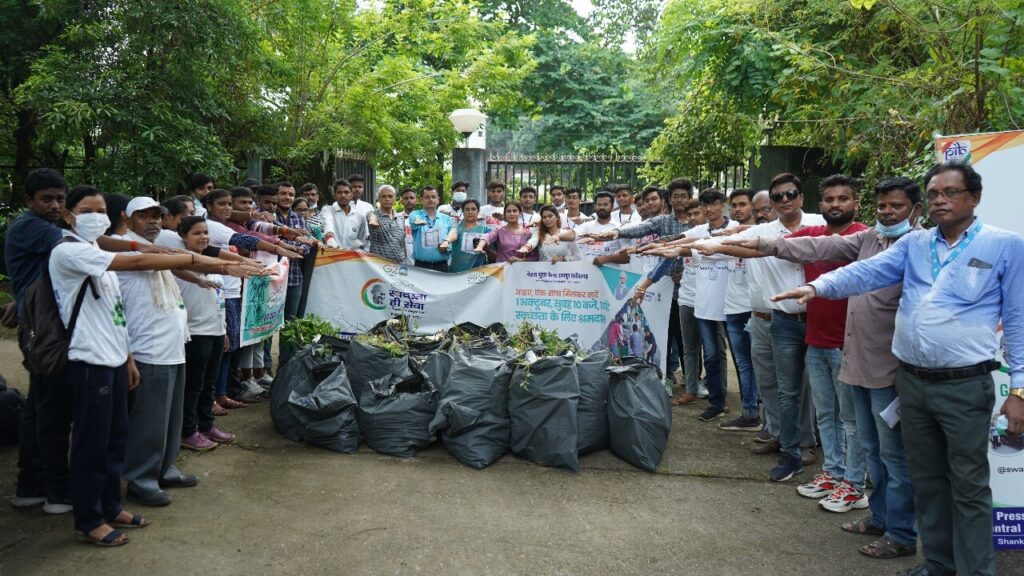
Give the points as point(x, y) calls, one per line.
point(1018, 392)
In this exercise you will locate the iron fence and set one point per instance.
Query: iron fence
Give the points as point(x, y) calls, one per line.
point(590, 174)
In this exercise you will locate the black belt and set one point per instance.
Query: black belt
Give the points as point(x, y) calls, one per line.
point(979, 369)
point(801, 317)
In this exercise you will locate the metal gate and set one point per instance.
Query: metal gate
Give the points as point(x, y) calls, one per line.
point(590, 174)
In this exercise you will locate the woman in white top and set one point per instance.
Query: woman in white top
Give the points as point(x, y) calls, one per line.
point(552, 242)
point(208, 339)
point(100, 368)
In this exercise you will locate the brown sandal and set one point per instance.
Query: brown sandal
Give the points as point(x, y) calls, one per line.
point(684, 399)
point(863, 526)
point(886, 548)
point(230, 404)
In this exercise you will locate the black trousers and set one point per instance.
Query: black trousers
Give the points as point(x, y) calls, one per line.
point(43, 440)
point(202, 368)
point(99, 396)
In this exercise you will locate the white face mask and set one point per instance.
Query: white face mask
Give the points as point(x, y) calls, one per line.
point(459, 197)
point(91, 226)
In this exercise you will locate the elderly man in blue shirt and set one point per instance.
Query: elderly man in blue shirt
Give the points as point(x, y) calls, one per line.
point(959, 281)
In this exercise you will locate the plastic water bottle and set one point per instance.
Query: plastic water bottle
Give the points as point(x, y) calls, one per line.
point(1001, 425)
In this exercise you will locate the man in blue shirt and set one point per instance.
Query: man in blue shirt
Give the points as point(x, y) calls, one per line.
point(43, 475)
point(430, 231)
point(959, 281)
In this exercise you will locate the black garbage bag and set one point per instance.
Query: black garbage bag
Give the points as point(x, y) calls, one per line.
point(337, 346)
point(434, 367)
point(542, 405)
point(472, 415)
point(639, 413)
point(395, 420)
point(327, 413)
point(367, 364)
point(593, 407)
point(474, 336)
point(307, 367)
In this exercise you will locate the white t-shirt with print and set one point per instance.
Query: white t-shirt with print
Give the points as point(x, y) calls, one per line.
point(712, 278)
point(597, 247)
point(101, 334)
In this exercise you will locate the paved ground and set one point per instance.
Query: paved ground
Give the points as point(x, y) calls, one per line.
point(268, 506)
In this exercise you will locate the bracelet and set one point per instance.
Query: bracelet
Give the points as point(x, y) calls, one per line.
point(224, 269)
point(284, 230)
point(134, 246)
point(193, 259)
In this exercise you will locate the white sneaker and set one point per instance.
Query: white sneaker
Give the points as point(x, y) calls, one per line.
point(57, 507)
point(27, 501)
point(844, 498)
point(253, 388)
point(265, 381)
point(702, 390)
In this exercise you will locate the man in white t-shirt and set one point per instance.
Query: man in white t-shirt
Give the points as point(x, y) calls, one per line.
point(789, 318)
point(357, 183)
point(492, 213)
point(599, 251)
point(528, 217)
point(157, 330)
point(626, 213)
point(709, 302)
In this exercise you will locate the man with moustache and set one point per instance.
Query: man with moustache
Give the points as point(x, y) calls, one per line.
point(868, 365)
point(959, 282)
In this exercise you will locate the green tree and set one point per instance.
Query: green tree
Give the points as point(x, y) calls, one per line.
point(869, 83)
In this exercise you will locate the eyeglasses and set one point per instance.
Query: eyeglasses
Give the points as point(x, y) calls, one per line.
point(764, 210)
point(792, 194)
point(948, 194)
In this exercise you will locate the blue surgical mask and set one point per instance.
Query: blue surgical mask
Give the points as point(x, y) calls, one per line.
point(894, 231)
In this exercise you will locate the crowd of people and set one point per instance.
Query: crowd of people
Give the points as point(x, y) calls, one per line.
point(150, 294)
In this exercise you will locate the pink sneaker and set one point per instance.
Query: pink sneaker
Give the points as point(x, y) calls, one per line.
point(198, 442)
point(219, 436)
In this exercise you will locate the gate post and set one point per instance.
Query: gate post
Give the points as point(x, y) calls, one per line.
point(470, 165)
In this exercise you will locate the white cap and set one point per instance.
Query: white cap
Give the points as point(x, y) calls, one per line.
point(142, 203)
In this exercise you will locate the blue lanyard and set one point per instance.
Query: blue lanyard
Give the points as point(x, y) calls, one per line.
point(937, 267)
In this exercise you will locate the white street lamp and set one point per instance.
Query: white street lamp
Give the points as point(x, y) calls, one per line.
point(467, 120)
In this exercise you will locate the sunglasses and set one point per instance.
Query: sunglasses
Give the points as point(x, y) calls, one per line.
point(792, 194)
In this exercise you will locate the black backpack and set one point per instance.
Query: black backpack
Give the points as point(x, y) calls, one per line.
point(11, 405)
point(42, 337)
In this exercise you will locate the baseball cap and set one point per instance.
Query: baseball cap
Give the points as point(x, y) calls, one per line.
point(142, 203)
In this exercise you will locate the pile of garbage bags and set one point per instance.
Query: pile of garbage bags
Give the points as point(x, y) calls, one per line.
point(479, 391)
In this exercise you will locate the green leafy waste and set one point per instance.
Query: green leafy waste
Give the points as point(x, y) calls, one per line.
point(305, 331)
point(384, 342)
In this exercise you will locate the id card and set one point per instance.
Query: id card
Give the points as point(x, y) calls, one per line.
point(468, 241)
point(431, 238)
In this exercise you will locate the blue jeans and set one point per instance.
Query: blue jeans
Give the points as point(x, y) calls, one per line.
point(856, 459)
point(713, 347)
point(892, 500)
point(789, 350)
point(739, 345)
point(823, 371)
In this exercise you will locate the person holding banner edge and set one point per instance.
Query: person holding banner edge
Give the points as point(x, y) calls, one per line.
point(959, 281)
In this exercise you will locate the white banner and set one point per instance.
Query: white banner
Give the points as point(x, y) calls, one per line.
point(355, 291)
point(998, 157)
point(263, 304)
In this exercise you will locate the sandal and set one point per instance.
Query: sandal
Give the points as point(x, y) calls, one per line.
point(863, 526)
point(136, 522)
point(230, 404)
point(886, 548)
point(113, 538)
point(219, 410)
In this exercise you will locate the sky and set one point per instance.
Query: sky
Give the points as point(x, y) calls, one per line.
point(582, 7)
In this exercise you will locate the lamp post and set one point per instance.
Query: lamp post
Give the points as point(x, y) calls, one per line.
point(469, 164)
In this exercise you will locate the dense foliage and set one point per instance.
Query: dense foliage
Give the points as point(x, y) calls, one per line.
point(141, 93)
point(868, 81)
